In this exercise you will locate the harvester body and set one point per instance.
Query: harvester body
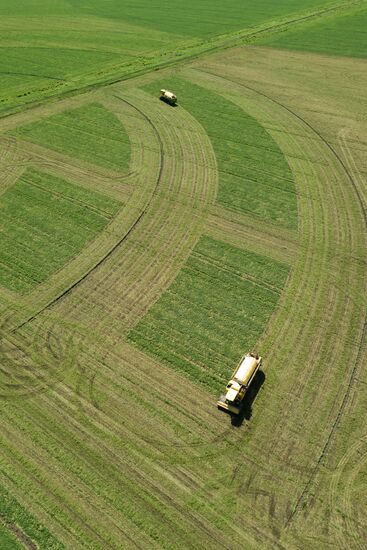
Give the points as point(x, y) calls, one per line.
point(168, 96)
point(240, 382)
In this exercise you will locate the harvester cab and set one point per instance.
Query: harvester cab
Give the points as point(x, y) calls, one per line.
point(168, 97)
point(240, 382)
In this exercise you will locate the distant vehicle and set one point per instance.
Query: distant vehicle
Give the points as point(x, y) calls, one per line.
point(168, 96)
point(240, 382)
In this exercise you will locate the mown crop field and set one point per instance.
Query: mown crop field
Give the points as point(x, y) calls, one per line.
point(46, 221)
point(146, 248)
point(90, 133)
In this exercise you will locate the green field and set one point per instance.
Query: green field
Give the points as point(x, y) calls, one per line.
point(343, 35)
point(8, 540)
point(77, 43)
point(45, 222)
point(188, 19)
point(89, 133)
point(202, 324)
point(254, 176)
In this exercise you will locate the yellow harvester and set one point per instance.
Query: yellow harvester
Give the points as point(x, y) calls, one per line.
point(168, 96)
point(238, 385)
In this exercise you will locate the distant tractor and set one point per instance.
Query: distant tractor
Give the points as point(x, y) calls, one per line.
point(240, 382)
point(169, 97)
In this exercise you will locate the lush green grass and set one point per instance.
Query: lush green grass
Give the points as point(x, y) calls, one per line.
point(14, 513)
point(45, 222)
point(195, 18)
point(90, 133)
point(254, 176)
point(59, 63)
point(342, 35)
point(214, 311)
point(8, 540)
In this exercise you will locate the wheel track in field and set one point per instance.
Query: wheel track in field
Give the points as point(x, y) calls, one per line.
point(182, 219)
point(141, 195)
point(351, 375)
point(110, 252)
point(159, 247)
point(290, 320)
point(11, 167)
point(115, 425)
point(108, 453)
point(342, 481)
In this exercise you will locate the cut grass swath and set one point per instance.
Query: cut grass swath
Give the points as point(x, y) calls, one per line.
point(254, 176)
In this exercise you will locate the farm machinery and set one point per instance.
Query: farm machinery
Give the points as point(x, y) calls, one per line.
point(237, 387)
point(168, 97)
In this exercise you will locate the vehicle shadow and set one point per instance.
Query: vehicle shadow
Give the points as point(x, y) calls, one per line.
point(168, 102)
point(246, 410)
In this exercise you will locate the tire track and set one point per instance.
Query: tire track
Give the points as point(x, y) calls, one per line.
point(343, 169)
point(160, 245)
point(112, 249)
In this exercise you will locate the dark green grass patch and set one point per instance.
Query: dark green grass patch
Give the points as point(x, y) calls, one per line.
point(44, 223)
point(50, 62)
point(214, 311)
point(254, 176)
point(342, 35)
point(195, 18)
point(12, 512)
point(8, 540)
point(90, 133)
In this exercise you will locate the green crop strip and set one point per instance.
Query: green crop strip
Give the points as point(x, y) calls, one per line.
point(8, 540)
point(215, 311)
point(13, 513)
point(44, 222)
point(90, 133)
point(254, 176)
point(341, 35)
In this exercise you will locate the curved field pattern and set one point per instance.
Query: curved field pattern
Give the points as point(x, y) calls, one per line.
point(110, 365)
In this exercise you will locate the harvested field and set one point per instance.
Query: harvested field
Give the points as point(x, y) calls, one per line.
point(113, 351)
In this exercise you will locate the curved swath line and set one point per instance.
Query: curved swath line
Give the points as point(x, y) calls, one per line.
point(120, 241)
point(364, 330)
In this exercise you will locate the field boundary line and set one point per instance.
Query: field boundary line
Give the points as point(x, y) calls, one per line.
point(248, 237)
point(187, 53)
point(85, 174)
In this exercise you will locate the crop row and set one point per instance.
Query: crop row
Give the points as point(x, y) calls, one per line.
point(254, 176)
point(90, 133)
point(214, 311)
